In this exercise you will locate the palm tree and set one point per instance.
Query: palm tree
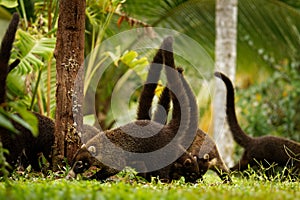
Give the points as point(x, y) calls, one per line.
point(225, 61)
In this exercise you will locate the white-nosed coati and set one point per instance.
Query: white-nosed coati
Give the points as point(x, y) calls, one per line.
point(191, 170)
point(201, 155)
point(265, 149)
point(112, 150)
point(24, 149)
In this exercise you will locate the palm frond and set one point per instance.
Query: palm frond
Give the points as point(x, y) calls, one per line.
point(268, 30)
point(32, 51)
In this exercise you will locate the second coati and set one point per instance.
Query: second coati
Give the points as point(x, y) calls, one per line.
point(114, 149)
point(259, 150)
point(166, 57)
point(203, 151)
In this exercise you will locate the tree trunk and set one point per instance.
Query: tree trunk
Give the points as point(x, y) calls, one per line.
point(225, 61)
point(69, 53)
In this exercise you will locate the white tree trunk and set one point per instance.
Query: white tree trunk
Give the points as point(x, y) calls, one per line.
point(225, 61)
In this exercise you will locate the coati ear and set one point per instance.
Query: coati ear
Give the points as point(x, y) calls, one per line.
point(195, 158)
point(206, 156)
point(187, 162)
point(83, 145)
point(92, 150)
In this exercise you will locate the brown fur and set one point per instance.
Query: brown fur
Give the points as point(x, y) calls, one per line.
point(5, 50)
point(97, 150)
point(145, 102)
point(265, 149)
point(203, 150)
point(25, 149)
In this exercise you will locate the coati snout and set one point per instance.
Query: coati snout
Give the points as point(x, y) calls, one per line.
point(82, 161)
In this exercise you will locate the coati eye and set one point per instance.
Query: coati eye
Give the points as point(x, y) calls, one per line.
point(206, 157)
point(79, 164)
point(92, 150)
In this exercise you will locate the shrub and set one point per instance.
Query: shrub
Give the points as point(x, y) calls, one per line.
point(272, 107)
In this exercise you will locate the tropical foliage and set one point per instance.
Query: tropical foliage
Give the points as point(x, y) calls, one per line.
point(272, 106)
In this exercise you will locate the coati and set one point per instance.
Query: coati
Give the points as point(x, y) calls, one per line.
point(264, 149)
point(114, 149)
point(143, 112)
point(203, 151)
point(206, 152)
point(23, 148)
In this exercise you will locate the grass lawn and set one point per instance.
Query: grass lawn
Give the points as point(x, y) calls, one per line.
point(124, 187)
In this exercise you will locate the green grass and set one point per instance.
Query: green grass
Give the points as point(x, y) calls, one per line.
point(125, 187)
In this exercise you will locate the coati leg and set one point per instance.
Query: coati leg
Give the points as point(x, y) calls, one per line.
point(242, 164)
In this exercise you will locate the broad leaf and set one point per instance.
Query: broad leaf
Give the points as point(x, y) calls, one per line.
point(31, 51)
point(9, 3)
point(5, 122)
point(27, 119)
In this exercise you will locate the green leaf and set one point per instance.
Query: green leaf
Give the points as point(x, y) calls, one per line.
point(27, 119)
point(31, 51)
point(9, 3)
point(5, 122)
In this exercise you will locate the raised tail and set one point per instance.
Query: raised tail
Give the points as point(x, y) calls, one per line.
point(194, 116)
point(5, 50)
point(238, 134)
point(145, 100)
point(182, 98)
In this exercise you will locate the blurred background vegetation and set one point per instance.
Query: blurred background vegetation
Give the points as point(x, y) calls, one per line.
point(268, 57)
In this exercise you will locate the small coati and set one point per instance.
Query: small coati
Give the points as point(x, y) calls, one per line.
point(114, 149)
point(201, 155)
point(265, 149)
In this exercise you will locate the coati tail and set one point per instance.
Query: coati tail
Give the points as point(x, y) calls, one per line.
point(173, 80)
point(181, 116)
point(194, 116)
point(238, 134)
point(145, 100)
point(5, 49)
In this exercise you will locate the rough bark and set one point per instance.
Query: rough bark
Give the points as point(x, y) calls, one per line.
point(69, 53)
point(225, 61)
